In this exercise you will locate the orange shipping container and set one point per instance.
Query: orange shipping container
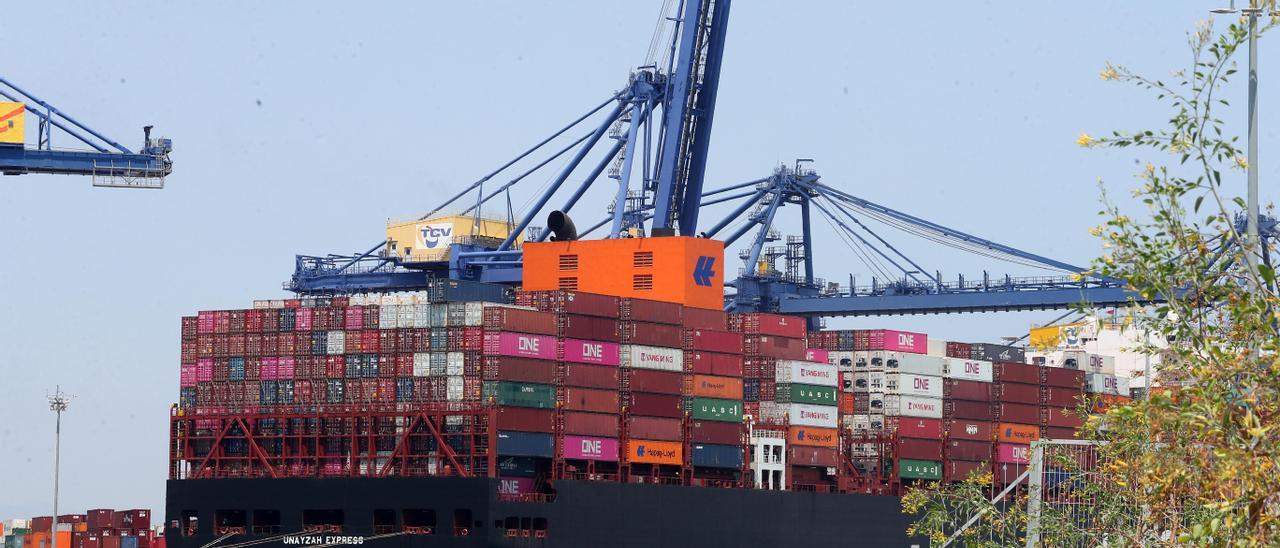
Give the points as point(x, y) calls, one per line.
point(41, 539)
point(655, 452)
point(1017, 433)
point(717, 387)
point(674, 269)
point(815, 437)
point(845, 403)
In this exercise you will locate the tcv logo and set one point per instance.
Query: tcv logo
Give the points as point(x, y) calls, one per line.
point(702, 271)
point(430, 235)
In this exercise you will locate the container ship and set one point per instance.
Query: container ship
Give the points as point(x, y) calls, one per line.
point(580, 411)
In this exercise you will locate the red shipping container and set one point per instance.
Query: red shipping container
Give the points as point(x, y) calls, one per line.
point(655, 405)
point(509, 368)
point(1058, 433)
point(1016, 412)
point(644, 310)
point(957, 350)
point(654, 428)
point(589, 328)
point(591, 424)
point(969, 450)
point(524, 419)
point(813, 456)
point(1061, 417)
point(714, 341)
point(652, 381)
point(723, 433)
point(957, 389)
point(1063, 378)
point(910, 448)
point(963, 409)
point(705, 318)
point(99, 518)
point(960, 429)
point(651, 334)
point(959, 470)
point(189, 327)
point(774, 347)
point(1062, 397)
point(913, 427)
point(590, 376)
point(131, 519)
point(500, 318)
point(713, 363)
point(771, 324)
point(1018, 392)
point(1017, 372)
point(587, 399)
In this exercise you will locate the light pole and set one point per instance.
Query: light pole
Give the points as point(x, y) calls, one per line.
point(1251, 227)
point(58, 403)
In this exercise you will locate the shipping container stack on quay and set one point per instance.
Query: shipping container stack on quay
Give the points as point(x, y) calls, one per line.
point(98, 528)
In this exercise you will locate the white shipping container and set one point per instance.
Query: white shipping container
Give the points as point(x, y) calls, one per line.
point(820, 416)
point(877, 422)
point(404, 315)
point(861, 360)
point(336, 342)
point(1101, 383)
point(652, 357)
point(453, 388)
point(473, 315)
point(387, 314)
point(819, 374)
point(907, 384)
point(772, 412)
point(422, 315)
point(277, 303)
point(905, 362)
point(1098, 363)
point(875, 402)
point(937, 348)
point(913, 406)
point(455, 364)
point(422, 364)
point(843, 360)
point(862, 381)
point(875, 381)
point(969, 370)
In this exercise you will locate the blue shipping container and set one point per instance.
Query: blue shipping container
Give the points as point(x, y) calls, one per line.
point(439, 291)
point(404, 390)
point(235, 369)
point(526, 444)
point(717, 456)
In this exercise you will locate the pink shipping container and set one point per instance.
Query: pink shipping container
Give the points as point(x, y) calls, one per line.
point(514, 486)
point(654, 428)
point(593, 352)
point(819, 355)
point(603, 425)
point(898, 341)
point(713, 363)
point(590, 448)
point(520, 344)
point(187, 375)
point(270, 369)
point(204, 370)
point(1012, 453)
point(714, 341)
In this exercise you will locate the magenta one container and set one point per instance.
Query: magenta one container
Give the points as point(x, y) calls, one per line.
point(1013, 453)
point(204, 370)
point(187, 375)
point(816, 355)
point(899, 341)
point(593, 352)
point(586, 448)
point(270, 369)
point(524, 345)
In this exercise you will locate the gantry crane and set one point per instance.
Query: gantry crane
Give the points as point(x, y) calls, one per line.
point(109, 163)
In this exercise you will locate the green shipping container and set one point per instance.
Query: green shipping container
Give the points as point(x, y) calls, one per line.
point(919, 469)
point(715, 409)
point(806, 393)
point(527, 394)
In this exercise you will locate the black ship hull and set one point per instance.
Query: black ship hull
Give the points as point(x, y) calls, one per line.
point(468, 512)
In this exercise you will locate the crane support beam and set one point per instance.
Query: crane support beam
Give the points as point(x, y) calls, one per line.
point(16, 160)
point(987, 301)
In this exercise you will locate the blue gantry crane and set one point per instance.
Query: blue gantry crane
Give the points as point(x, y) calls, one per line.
point(107, 161)
point(652, 142)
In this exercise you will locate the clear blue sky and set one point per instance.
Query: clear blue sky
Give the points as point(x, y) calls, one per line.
point(302, 126)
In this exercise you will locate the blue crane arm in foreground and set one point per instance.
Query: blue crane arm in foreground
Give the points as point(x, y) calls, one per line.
point(108, 158)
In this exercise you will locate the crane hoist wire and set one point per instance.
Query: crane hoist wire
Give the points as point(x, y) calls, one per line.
point(867, 259)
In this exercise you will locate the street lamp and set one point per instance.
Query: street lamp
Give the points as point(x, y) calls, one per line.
point(1251, 228)
point(58, 403)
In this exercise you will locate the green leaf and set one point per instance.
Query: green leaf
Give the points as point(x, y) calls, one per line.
point(1198, 200)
